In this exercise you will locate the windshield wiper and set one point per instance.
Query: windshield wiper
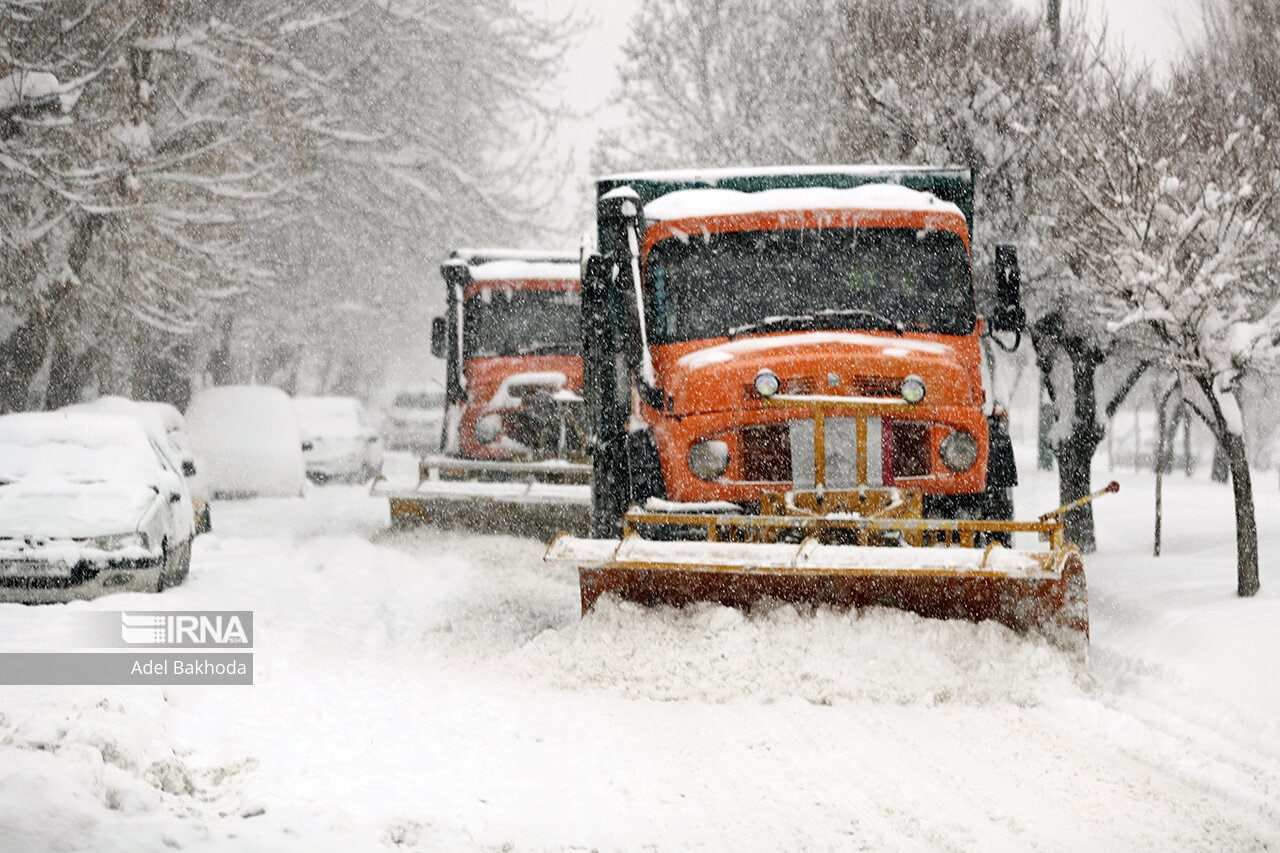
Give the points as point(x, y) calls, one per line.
point(887, 323)
point(812, 321)
point(780, 321)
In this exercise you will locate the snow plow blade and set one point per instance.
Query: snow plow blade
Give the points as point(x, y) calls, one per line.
point(937, 568)
point(519, 503)
point(1023, 590)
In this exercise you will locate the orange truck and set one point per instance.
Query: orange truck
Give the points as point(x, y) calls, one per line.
point(786, 399)
point(513, 439)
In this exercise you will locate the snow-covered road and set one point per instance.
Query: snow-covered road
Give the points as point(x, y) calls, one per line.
point(435, 691)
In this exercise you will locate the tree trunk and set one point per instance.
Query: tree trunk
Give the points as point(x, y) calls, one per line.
point(1233, 448)
point(1188, 463)
point(1075, 458)
point(68, 374)
point(1161, 427)
point(1221, 464)
point(21, 357)
point(1044, 447)
point(1247, 581)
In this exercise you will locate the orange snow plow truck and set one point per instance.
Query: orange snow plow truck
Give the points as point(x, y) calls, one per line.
point(786, 400)
point(512, 447)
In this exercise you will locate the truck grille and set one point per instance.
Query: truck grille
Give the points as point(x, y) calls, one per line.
point(783, 452)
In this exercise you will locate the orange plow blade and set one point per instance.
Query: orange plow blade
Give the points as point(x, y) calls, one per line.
point(1024, 590)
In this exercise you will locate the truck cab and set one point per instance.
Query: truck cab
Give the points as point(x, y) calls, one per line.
point(512, 345)
point(740, 303)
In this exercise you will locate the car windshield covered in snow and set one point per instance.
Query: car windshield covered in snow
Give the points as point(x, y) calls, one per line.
point(506, 322)
point(722, 284)
point(75, 448)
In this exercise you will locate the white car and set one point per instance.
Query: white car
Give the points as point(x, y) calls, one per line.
point(175, 430)
point(89, 504)
point(338, 442)
point(414, 420)
point(247, 436)
point(165, 425)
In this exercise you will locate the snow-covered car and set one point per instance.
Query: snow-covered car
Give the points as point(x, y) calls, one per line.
point(338, 442)
point(414, 419)
point(89, 504)
point(248, 437)
point(165, 425)
point(175, 430)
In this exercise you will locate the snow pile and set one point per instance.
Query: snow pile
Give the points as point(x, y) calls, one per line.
point(710, 653)
point(248, 437)
point(697, 203)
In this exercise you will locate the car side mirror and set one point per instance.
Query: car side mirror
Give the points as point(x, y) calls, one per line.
point(1009, 315)
point(306, 445)
point(188, 468)
point(439, 337)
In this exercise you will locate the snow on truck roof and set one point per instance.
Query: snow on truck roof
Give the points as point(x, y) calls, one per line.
point(713, 176)
point(475, 257)
point(525, 271)
point(685, 204)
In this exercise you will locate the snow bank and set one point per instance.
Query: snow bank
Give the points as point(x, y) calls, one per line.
point(248, 437)
point(686, 204)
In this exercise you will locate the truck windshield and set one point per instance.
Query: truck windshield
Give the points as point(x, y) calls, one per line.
point(505, 322)
point(721, 284)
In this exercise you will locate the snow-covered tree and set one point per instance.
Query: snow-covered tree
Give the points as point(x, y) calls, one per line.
point(1176, 237)
point(245, 164)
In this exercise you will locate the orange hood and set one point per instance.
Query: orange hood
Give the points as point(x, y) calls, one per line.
point(701, 377)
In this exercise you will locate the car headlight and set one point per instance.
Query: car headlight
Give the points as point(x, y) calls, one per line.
point(488, 428)
point(913, 389)
point(959, 450)
point(767, 383)
point(709, 459)
point(120, 541)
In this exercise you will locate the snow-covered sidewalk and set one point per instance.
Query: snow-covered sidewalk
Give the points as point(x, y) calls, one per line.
point(436, 691)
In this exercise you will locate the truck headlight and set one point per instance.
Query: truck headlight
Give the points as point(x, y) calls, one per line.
point(913, 389)
point(488, 428)
point(709, 459)
point(767, 383)
point(959, 450)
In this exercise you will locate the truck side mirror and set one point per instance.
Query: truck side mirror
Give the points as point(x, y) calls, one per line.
point(1008, 315)
point(439, 337)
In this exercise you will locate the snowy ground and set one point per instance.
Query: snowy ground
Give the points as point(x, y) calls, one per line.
point(432, 691)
